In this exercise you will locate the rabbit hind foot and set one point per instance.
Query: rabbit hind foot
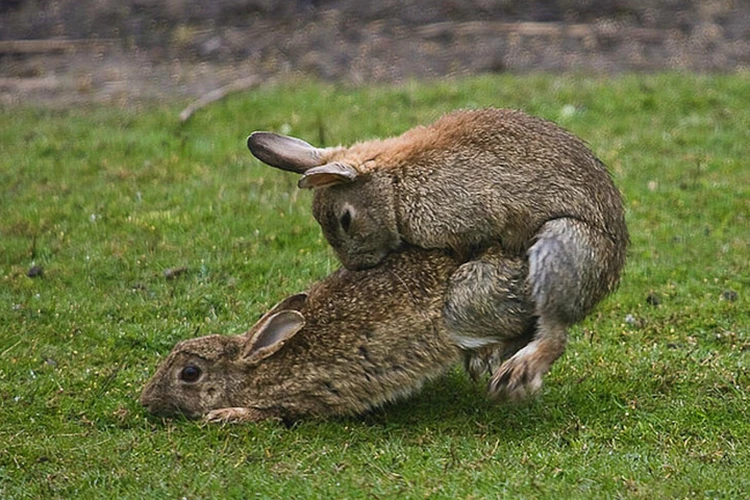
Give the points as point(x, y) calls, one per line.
point(520, 376)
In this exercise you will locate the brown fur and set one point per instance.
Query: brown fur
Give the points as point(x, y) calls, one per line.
point(355, 341)
point(473, 180)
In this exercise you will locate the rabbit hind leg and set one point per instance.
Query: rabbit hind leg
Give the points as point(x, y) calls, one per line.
point(488, 310)
point(566, 283)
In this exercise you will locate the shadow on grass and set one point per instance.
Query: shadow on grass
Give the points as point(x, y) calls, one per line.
point(455, 402)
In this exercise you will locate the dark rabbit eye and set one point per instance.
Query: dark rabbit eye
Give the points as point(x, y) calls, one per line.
point(190, 373)
point(346, 221)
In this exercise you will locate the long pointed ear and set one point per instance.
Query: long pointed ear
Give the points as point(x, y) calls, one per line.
point(293, 303)
point(272, 336)
point(327, 175)
point(286, 153)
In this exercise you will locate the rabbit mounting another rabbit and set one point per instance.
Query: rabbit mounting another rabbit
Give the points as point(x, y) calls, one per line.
point(355, 340)
point(472, 180)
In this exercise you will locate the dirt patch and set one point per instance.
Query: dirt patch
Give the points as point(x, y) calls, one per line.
point(126, 51)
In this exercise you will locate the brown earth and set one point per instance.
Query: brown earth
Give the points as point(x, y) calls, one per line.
point(125, 51)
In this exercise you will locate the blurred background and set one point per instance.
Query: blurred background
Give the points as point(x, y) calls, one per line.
point(121, 51)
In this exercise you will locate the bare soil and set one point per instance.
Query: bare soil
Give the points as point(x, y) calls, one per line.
point(129, 51)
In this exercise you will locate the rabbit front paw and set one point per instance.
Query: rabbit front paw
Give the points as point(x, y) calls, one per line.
point(233, 415)
point(484, 360)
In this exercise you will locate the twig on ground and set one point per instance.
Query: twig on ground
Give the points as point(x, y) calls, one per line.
point(220, 93)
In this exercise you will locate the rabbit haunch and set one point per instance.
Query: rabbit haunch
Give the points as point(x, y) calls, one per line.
point(471, 180)
point(355, 341)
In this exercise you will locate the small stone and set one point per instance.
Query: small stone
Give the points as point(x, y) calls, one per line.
point(35, 272)
point(567, 111)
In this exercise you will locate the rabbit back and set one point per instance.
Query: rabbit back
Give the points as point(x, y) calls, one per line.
point(370, 337)
point(498, 174)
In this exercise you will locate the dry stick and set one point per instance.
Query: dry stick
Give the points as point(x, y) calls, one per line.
point(51, 45)
point(220, 93)
point(534, 29)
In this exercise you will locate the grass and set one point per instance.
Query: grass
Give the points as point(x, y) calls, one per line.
point(650, 400)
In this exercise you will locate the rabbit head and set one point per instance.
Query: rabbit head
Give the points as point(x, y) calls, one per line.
point(215, 371)
point(353, 203)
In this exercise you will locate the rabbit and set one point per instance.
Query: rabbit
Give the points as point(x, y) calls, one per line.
point(355, 340)
point(471, 180)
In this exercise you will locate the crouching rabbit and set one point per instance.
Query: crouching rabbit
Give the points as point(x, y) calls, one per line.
point(355, 340)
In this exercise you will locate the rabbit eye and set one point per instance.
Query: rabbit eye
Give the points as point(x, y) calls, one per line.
point(346, 221)
point(190, 373)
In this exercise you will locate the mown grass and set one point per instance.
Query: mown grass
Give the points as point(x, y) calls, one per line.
point(650, 401)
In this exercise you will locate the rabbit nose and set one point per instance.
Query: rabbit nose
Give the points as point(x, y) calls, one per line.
point(146, 398)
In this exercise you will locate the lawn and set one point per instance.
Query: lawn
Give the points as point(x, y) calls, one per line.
point(123, 231)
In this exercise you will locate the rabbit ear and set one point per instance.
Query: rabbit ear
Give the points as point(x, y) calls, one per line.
point(272, 335)
point(286, 153)
point(295, 303)
point(327, 175)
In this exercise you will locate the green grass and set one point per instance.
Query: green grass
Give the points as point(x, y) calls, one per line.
point(650, 400)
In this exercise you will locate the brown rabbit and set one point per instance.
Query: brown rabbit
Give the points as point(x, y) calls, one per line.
point(356, 340)
point(474, 179)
